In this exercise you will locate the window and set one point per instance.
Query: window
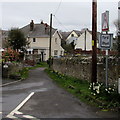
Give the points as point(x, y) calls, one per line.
point(34, 40)
point(55, 52)
point(56, 40)
point(72, 35)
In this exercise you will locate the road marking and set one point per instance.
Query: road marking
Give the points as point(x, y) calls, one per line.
point(28, 116)
point(11, 116)
point(19, 113)
point(20, 105)
point(10, 83)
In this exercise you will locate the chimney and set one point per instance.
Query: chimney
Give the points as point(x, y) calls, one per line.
point(42, 22)
point(46, 28)
point(31, 25)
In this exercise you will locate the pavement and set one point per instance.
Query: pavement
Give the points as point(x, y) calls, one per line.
point(38, 97)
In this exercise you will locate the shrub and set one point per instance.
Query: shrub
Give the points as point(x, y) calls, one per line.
point(10, 55)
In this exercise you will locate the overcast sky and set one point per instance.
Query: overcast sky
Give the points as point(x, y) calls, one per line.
point(69, 16)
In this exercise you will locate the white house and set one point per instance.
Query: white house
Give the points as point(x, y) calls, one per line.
point(73, 36)
point(70, 37)
point(39, 37)
point(84, 41)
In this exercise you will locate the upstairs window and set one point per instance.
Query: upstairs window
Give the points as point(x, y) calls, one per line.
point(56, 40)
point(34, 40)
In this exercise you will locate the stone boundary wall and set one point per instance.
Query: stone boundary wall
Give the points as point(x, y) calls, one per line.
point(81, 68)
point(11, 70)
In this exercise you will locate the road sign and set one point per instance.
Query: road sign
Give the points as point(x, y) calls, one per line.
point(105, 41)
point(105, 21)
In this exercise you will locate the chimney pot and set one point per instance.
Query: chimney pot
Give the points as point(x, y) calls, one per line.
point(42, 22)
point(31, 25)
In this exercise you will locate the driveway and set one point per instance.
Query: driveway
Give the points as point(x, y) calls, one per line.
point(48, 100)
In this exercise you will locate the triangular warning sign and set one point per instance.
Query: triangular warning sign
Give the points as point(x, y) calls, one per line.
point(105, 25)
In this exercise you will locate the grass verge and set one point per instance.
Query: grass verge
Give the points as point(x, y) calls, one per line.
point(81, 90)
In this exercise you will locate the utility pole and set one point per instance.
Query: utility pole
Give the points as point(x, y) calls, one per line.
point(85, 39)
point(94, 42)
point(50, 40)
point(118, 28)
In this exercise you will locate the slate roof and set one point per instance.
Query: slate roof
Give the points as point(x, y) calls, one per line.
point(65, 35)
point(40, 30)
point(79, 33)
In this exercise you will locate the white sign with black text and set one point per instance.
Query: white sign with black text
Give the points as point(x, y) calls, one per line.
point(105, 41)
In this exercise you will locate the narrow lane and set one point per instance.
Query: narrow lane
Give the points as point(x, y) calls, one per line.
point(49, 100)
point(13, 94)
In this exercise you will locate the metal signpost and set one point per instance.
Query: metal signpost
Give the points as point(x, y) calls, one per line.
point(106, 39)
point(105, 43)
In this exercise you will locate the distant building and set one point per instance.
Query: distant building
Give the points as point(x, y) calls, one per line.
point(70, 37)
point(82, 39)
point(39, 38)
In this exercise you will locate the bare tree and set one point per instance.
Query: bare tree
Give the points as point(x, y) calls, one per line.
point(117, 25)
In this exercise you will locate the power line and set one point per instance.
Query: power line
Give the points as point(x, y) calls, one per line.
point(60, 23)
point(58, 7)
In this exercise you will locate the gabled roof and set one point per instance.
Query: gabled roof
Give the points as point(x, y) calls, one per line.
point(65, 35)
point(77, 32)
point(98, 33)
point(39, 30)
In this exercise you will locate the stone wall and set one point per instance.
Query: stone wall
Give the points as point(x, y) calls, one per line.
point(81, 68)
point(12, 69)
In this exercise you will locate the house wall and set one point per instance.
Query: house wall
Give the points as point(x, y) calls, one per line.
point(68, 40)
point(42, 44)
point(75, 35)
point(56, 45)
point(81, 42)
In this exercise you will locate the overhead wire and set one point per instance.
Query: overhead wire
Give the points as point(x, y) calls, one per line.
point(58, 7)
point(60, 23)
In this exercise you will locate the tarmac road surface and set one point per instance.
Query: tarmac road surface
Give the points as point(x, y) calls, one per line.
point(48, 100)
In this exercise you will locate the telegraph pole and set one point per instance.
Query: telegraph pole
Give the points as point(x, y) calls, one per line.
point(118, 28)
point(50, 40)
point(85, 39)
point(94, 42)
